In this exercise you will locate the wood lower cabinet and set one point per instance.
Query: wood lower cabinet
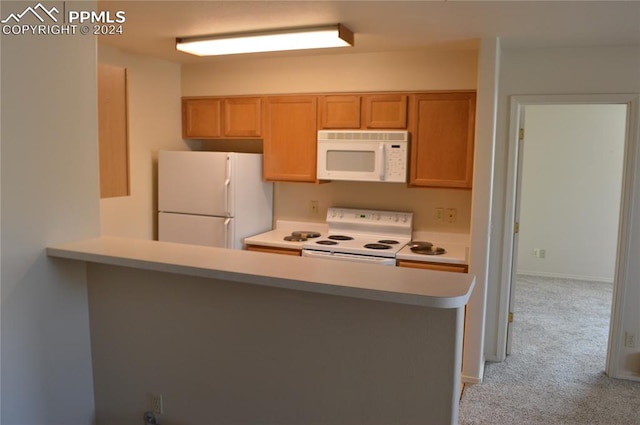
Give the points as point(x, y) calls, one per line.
point(201, 118)
point(443, 267)
point(274, 250)
point(290, 138)
point(442, 142)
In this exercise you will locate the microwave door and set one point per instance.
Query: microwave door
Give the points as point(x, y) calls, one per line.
point(347, 162)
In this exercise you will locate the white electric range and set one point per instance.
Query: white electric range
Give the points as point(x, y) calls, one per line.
point(367, 236)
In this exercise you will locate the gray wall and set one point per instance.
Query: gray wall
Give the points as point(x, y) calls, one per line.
point(224, 352)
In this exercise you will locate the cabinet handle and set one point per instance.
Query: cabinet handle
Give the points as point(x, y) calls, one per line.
point(382, 161)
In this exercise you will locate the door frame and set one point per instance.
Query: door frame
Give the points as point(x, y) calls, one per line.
point(517, 104)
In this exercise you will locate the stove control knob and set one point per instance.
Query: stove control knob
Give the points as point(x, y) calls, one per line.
point(396, 218)
point(404, 218)
point(376, 216)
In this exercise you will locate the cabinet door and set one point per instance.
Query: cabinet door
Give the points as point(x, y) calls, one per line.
point(290, 138)
point(336, 111)
point(200, 118)
point(274, 250)
point(442, 140)
point(242, 117)
point(443, 267)
point(385, 111)
point(113, 131)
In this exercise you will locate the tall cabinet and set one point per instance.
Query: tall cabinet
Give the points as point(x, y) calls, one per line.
point(443, 126)
point(290, 138)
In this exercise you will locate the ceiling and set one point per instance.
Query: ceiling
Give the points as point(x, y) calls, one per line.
point(152, 26)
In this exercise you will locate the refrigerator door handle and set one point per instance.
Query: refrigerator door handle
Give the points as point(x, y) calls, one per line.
point(227, 184)
point(226, 233)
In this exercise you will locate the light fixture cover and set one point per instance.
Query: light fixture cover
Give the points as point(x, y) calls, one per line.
point(267, 41)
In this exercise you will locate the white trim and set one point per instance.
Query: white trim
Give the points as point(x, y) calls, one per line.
point(632, 157)
point(471, 380)
point(481, 204)
point(603, 279)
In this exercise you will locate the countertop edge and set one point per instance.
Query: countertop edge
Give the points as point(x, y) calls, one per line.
point(218, 263)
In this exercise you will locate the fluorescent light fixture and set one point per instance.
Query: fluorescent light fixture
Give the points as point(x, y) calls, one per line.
point(267, 41)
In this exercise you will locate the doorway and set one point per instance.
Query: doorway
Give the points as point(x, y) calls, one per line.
point(570, 185)
point(623, 107)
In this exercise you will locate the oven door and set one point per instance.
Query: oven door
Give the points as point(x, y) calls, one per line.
point(354, 161)
point(355, 258)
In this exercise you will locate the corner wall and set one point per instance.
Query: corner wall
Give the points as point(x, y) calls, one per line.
point(50, 194)
point(597, 70)
point(154, 123)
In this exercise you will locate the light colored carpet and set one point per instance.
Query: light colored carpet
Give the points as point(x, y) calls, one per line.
point(555, 374)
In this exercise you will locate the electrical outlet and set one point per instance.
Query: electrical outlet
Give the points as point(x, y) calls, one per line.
point(314, 207)
point(630, 339)
point(156, 404)
point(539, 252)
point(451, 215)
point(439, 215)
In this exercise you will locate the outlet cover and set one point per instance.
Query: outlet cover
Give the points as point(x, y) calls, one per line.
point(156, 404)
point(630, 339)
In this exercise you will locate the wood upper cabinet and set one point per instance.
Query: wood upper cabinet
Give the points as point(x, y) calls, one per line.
point(201, 118)
point(442, 142)
point(113, 131)
point(242, 117)
point(385, 111)
point(208, 118)
point(338, 111)
point(290, 138)
point(379, 111)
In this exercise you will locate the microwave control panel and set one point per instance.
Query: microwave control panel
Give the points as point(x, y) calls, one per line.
point(395, 162)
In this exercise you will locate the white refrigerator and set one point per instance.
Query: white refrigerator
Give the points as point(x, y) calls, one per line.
point(212, 198)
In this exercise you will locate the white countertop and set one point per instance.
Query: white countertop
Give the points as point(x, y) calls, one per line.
point(275, 237)
point(389, 284)
point(456, 246)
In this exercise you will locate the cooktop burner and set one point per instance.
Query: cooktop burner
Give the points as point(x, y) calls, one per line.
point(295, 238)
point(326, 242)
point(340, 238)
point(306, 234)
point(388, 242)
point(363, 232)
point(377, 246)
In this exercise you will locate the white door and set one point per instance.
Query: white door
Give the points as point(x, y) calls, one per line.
point(195, 230)
point(194, 183)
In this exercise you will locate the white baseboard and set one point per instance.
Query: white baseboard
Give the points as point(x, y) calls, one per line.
point(566, 276)
point(471, 380)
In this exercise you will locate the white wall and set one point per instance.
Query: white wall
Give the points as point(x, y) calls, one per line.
point(412, 70)
point(154, 124)
point(50, 194)
point(571, 187)
point(561, 71)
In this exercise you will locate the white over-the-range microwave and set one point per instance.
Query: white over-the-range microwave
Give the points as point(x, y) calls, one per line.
point(363, 155)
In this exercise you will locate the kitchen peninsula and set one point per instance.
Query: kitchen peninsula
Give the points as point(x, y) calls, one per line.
point(231, 336)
